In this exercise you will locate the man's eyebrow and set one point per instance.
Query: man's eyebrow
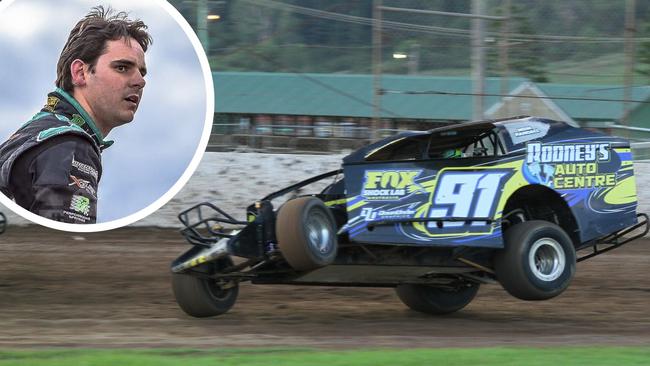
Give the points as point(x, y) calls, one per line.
point(143, 69)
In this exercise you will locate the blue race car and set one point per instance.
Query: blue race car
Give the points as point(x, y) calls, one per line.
point(434, 214)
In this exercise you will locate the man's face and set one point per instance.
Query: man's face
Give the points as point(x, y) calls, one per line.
point(114, 88)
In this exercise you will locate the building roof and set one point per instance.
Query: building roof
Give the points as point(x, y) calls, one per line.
point(349, 95)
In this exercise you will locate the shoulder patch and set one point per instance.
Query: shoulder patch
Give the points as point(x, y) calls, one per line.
point(55, 131)
point(51, 103)
point(78, 120)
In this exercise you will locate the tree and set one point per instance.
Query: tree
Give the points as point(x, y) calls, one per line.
point(643, 54)
point(526, 57)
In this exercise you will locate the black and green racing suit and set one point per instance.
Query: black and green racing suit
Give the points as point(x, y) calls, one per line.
point(51, 166)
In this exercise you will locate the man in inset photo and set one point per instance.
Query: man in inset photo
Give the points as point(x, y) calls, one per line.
point(51, 166)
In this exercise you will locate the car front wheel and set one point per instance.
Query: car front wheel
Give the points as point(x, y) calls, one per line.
point(201, 297)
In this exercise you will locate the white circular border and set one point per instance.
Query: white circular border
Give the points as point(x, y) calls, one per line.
point(180, 183)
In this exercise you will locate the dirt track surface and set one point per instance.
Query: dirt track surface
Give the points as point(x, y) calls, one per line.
point(112, 290)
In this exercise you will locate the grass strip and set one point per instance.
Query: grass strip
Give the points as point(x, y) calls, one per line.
point(497, 356)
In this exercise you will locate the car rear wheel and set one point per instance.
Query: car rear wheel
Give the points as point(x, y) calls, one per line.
point(538, 261)
point(436, 300)
point(201, 297)
point(306, 233)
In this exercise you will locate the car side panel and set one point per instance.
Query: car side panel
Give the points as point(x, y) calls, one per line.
point(601, 192)
point(597, 183)
point(465, 188)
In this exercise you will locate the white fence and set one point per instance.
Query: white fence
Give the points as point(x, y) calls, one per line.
point(234, 180)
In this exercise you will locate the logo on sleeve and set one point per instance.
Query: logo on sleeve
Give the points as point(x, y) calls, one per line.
point(80, 204)
point(83, 184)
point(85, 168)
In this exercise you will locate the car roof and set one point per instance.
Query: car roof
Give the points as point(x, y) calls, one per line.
point(360, 154)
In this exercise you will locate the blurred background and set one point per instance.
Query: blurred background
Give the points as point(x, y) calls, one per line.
point(150, 154)
point(330, 75)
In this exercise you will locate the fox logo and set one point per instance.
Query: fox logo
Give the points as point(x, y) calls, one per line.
point(390, 179)
point(389, 184)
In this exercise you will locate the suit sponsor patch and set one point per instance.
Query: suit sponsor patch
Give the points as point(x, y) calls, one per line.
point(85, 168)
point(80, 204)
point(83, 184)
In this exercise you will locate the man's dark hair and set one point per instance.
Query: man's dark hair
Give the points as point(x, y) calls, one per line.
point(87, 40)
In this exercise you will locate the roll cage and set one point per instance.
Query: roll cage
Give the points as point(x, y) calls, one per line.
point(473, 140)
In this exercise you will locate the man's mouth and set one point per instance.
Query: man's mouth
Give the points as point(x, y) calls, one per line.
point(134, 98)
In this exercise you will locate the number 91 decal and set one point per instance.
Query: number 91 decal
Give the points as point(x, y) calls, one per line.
point(463, 194)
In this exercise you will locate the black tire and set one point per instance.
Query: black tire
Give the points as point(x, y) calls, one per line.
point(306, 233)
point(203, 297)
point(538, 261)
point(436, 300)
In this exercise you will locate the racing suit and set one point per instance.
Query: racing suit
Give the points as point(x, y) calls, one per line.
point(51, 166)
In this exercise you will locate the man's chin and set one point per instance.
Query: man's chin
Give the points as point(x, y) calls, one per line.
point(122, 121)
point(126, 118)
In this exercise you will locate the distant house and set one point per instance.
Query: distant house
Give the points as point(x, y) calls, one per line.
point(528, 99)
point(594, 106)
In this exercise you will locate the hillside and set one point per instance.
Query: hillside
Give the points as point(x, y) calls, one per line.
point(552, 41)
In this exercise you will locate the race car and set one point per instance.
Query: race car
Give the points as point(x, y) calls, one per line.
point(433, 214)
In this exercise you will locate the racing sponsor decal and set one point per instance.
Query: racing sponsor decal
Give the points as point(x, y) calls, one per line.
point(455, 195)
point(85, 168)
point(82, 184)
point(563, 153)
point(525, 131)
point(389, 185)
point(80, 209)
point(463, 194)
point(80, 204)
point(568, 166)
point(82, 219)
point(375, 214)
point(51, 103)
point(78, 120)
point(521, 132)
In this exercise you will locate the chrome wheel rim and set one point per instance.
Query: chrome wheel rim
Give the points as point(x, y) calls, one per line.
point(319, 233)
point(546, 259)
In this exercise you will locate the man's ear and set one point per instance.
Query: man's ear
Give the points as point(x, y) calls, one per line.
point(78, 71)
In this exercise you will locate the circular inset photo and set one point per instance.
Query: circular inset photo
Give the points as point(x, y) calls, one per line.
point(106, 110)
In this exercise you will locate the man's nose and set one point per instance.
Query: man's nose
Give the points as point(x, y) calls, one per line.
point(138, 80)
